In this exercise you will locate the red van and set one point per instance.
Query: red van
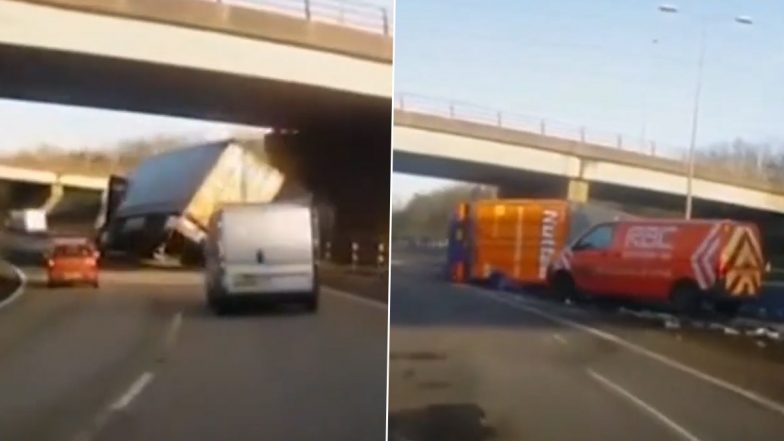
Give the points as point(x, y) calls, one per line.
point(685, 263)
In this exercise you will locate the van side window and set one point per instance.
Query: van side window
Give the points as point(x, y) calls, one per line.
point(600, 238)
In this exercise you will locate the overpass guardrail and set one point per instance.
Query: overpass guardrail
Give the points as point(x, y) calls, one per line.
point(349, 13)
point(474, 113)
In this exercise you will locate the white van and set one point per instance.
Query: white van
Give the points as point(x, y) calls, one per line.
point(267, 251)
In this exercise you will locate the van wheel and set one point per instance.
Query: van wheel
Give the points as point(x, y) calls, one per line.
point(192, 256)
point(562, 287)
point(685, 298)
point(312, 303)
point(218, 306)
point(727, 308)
point(497, 281)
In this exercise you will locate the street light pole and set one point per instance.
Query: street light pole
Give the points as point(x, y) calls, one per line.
point(741, 19)
point(695, 119)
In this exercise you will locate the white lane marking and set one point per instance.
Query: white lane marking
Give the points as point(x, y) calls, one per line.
point(19, 290)
point(751, 396)
point(355, 298)
point(136, 388)
point(662, 418)
point(103, 417)
point(171, 335)
point(559, 339)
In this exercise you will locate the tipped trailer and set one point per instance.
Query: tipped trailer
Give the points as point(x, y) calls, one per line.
point(167, 201)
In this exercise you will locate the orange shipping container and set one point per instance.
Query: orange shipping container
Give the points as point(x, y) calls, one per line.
point(517, 238)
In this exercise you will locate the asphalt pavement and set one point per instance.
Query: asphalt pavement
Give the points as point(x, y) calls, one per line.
point(470, 364)
point(141, 358)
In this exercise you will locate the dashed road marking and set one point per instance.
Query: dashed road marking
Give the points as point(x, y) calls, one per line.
point(559, 339)
point(663, 359)
point(170, 338)
point(650, 410)
point(136, 388)
point(121, 403)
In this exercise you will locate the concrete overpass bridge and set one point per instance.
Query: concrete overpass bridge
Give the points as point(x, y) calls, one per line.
point(318, 68)
point(25, 188)
point(531, 164)
point(67, 197)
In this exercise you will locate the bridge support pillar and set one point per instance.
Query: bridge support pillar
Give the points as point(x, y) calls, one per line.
point(577, 190)
point(56, 192)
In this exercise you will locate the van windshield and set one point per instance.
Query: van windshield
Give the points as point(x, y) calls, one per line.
point(267, 235)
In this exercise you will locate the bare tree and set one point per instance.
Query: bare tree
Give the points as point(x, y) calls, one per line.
point(427, 215)
point(742, 159)
point(116, 158)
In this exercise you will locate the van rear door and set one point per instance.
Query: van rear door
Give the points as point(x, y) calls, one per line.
point(268, 248)
point(742, 261)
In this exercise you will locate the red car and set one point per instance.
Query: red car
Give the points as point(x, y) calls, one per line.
point(72, 261)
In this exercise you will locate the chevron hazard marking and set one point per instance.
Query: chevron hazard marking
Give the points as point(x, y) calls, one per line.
point(702, 261)
point(755, 244)
point(744, 259)
point(708, 262)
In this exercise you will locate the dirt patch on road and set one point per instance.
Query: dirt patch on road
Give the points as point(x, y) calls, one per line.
point(454, 422)
point(417, 356)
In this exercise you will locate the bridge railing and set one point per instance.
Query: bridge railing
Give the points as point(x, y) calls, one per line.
point(470, 112)
point(349, 13)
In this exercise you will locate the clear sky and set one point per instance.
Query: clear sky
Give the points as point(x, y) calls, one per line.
point(29, 124)
point(613, 66)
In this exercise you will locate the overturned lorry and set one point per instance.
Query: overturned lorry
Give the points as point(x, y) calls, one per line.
point(164, 206)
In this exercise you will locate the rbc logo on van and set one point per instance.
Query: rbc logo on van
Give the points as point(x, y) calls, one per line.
point(650, 237)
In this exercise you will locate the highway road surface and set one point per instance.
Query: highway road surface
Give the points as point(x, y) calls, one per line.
point(142, 359)
point(469, 364)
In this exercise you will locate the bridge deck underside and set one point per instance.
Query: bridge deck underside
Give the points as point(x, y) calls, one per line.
point(84, 80)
